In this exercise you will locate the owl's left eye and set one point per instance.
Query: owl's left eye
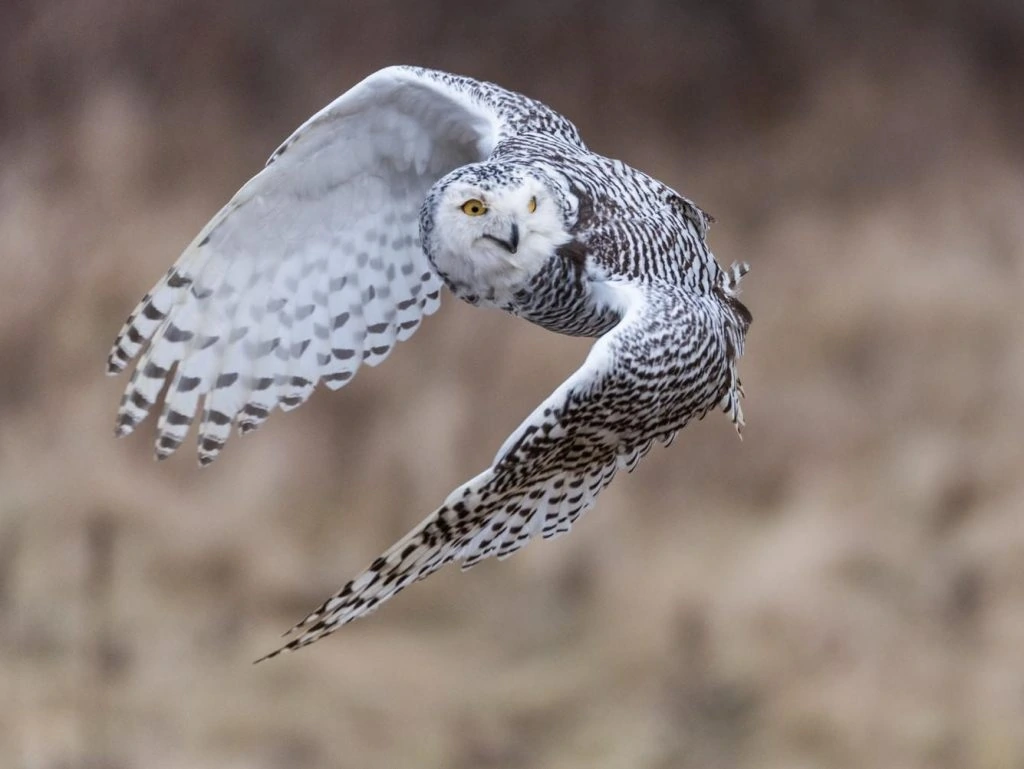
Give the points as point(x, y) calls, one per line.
point(474, 207)
point(532, 205)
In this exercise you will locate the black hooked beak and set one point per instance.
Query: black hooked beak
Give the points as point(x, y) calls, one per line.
point(512, 244)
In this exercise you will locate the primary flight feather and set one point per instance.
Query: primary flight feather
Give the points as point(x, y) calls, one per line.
point(338, 248)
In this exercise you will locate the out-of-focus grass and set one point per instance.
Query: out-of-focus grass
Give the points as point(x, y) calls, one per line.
point(842, 588)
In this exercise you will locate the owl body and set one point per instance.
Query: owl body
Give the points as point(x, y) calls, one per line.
point(608, 220)
point(339, 248)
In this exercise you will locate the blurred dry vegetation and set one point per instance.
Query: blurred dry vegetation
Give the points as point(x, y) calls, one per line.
point(844, 588)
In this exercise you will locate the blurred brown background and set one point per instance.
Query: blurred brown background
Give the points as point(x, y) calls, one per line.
point(844, 588)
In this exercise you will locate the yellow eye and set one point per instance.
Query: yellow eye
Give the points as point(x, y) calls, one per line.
point(474, 207)
point(532, 205)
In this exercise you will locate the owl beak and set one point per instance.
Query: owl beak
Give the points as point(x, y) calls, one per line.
point(513, 238)
point(512, 244)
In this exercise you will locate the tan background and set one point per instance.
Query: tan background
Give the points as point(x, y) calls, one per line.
point(844, 588)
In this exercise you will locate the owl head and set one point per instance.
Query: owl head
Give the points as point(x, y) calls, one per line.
point(488, 228)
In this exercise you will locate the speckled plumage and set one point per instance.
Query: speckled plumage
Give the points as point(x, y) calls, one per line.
point(338, 248)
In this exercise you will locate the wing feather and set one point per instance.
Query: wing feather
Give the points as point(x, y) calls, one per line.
point(312, 268)
point(552, 468)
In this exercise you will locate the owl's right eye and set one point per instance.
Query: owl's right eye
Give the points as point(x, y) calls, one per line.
point(474, 207)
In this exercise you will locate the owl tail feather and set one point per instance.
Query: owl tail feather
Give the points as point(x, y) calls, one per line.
point(731, 279)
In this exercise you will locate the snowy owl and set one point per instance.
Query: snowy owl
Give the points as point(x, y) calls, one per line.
point(337, 249)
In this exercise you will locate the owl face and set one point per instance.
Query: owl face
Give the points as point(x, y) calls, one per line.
point(488, 233)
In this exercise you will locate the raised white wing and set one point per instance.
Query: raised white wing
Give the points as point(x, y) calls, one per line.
point(312, 268)
point(668, 360)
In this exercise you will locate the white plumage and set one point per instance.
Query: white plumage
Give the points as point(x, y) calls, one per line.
point(327, 230)
point(337, 249)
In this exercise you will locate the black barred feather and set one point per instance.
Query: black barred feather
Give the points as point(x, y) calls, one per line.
point(339, 247)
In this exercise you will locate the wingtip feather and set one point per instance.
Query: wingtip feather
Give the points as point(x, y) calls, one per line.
point(124, 425)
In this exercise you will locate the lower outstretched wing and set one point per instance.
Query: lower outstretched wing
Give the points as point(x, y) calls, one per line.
point(670, 358)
